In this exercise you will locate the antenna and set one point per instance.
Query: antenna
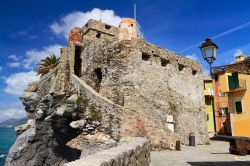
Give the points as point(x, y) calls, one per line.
point(135, 12)
point(101, 15)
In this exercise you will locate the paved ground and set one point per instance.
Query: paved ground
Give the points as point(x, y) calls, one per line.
point(216, 154)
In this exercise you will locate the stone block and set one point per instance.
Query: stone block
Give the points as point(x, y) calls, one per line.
point(170, 118)
point(171, 127)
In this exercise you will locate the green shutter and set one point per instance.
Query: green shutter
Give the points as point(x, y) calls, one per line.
point(233, 81)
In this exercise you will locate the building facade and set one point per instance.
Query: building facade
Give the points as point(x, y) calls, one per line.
point(209, 103)
point(232, 104)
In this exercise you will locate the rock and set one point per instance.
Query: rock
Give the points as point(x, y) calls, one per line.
point(30, 100)
point(72, 99)
point(60, 111)
point(22, 128)
point(80, 124)
point(29, 96)
point(16, 151)
point(32, 87)
point(39, 114)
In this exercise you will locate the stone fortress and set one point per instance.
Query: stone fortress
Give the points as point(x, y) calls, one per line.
point(112, 84)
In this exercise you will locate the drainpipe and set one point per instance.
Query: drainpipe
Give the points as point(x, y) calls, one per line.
point(212, 102)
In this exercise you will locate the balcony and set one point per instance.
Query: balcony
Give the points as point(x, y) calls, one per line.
point(238, 85)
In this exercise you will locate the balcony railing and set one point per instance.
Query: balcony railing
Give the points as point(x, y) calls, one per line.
point(238, 85)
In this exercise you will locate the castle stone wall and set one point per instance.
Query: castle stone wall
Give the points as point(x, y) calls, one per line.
point(100, 27)
point(56, 80)
point(150, 81)
point(131, 151)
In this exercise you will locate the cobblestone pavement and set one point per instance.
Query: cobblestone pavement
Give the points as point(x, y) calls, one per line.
point(215, 154)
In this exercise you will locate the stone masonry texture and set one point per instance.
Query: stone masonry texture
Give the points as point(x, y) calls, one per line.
point(104, 90)
point(132, 151)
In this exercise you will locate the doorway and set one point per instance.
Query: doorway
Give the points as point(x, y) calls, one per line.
point(98, 78)
point(78, 61)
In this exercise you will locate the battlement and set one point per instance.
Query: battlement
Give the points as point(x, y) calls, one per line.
point(99, 28)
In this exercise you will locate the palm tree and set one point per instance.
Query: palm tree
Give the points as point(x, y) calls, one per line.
point(47, 64)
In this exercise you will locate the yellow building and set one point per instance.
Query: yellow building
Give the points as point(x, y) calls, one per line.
point(208, 93)
point(233, 87)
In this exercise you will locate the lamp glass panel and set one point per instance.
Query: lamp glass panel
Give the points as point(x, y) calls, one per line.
point(214, 52)
point(208, 51)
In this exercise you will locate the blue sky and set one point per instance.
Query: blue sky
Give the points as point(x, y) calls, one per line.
point(30, 30)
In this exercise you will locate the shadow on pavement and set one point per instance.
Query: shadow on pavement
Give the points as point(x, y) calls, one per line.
point(221, 163)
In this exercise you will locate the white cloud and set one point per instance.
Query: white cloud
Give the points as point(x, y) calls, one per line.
point(12, 110)
point(34, 56)
point(238, 52)
point(1, 68)
point(17, 82)
point(193, 56)
point(14, 64)
point(13, 57)
point(12, 113)
point(78, 18)
point(15, 61)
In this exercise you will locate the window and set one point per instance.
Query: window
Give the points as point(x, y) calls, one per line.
point(194, 72)
point(107, 26)
point(223, 111)
point(98, 35)
point(145, 56)
point(181, 67)
point(233, 81)
point(238, 107)
point(164, 62)
point(222, 94)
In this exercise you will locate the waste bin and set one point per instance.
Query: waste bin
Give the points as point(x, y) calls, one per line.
point(192, 139)
point(178, 145)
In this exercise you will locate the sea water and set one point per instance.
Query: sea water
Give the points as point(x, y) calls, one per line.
point(7, 138)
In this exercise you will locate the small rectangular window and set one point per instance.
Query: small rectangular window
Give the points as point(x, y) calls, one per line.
point(107, 26)
point(238, 107)
point(223, 111)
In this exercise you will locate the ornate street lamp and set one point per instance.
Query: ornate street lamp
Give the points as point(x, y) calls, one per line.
point(208, 50)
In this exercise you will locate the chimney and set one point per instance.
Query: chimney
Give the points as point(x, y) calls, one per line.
point(239, 58)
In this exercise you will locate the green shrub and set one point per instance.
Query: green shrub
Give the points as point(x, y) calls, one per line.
point(81, 103)
point(94, 114)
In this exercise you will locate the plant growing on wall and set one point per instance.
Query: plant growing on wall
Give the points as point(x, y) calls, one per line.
point(47, 64)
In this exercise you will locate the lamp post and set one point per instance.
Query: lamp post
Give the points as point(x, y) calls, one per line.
point(208, 50)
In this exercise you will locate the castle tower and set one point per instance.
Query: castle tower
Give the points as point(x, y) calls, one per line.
point(75, 35)
point(127, 29)
point(75, 42)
